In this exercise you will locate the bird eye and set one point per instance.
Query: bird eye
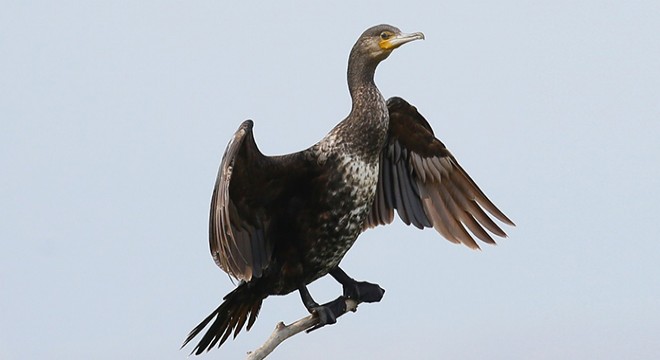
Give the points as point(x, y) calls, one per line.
point(385, 35)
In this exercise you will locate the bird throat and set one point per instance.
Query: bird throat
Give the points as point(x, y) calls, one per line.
point(367, 124)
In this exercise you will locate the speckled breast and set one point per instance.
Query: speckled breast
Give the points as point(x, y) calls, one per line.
point(350, 199)
point(350, 152)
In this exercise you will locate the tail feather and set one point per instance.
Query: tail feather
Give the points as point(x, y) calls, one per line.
point(240, 306)
point(241, 321)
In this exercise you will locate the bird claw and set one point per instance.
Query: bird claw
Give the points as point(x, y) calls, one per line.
point(328, 313)
point(362, 291)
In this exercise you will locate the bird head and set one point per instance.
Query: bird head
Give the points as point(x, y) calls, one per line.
point(378, 42)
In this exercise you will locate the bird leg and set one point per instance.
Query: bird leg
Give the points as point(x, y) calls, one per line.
point(326, 313)
point(360, 291)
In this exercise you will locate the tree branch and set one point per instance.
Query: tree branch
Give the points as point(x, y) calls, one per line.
point(283, 332)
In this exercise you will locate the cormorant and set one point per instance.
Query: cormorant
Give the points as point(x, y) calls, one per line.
point(277, 223)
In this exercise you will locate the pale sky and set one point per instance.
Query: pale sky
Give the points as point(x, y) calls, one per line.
point(114, 116)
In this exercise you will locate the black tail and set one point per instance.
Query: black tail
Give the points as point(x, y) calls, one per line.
point(230, 316)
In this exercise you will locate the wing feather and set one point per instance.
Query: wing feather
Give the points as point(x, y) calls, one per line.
point(423, 182)
point(236, 226)
point(396, 191)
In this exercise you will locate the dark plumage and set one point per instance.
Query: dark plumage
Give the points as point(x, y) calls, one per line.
point(278, 223)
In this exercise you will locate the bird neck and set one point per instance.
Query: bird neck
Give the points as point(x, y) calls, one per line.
point(360, 75)
point(364, 130)
point(366, 99)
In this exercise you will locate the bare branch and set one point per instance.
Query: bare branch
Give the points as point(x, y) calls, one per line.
point(283, 332)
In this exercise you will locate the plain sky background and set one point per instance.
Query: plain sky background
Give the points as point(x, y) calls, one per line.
point(114, 116)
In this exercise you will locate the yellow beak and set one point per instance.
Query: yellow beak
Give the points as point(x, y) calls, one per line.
point(400, 39)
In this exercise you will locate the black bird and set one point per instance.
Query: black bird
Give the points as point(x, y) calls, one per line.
point(277, 223)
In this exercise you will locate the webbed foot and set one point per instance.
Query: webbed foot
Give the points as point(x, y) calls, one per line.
point(362, 291)
point(329, 312)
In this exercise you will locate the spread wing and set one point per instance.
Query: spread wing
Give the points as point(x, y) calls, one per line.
point(238, 220)
point(422, 180)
